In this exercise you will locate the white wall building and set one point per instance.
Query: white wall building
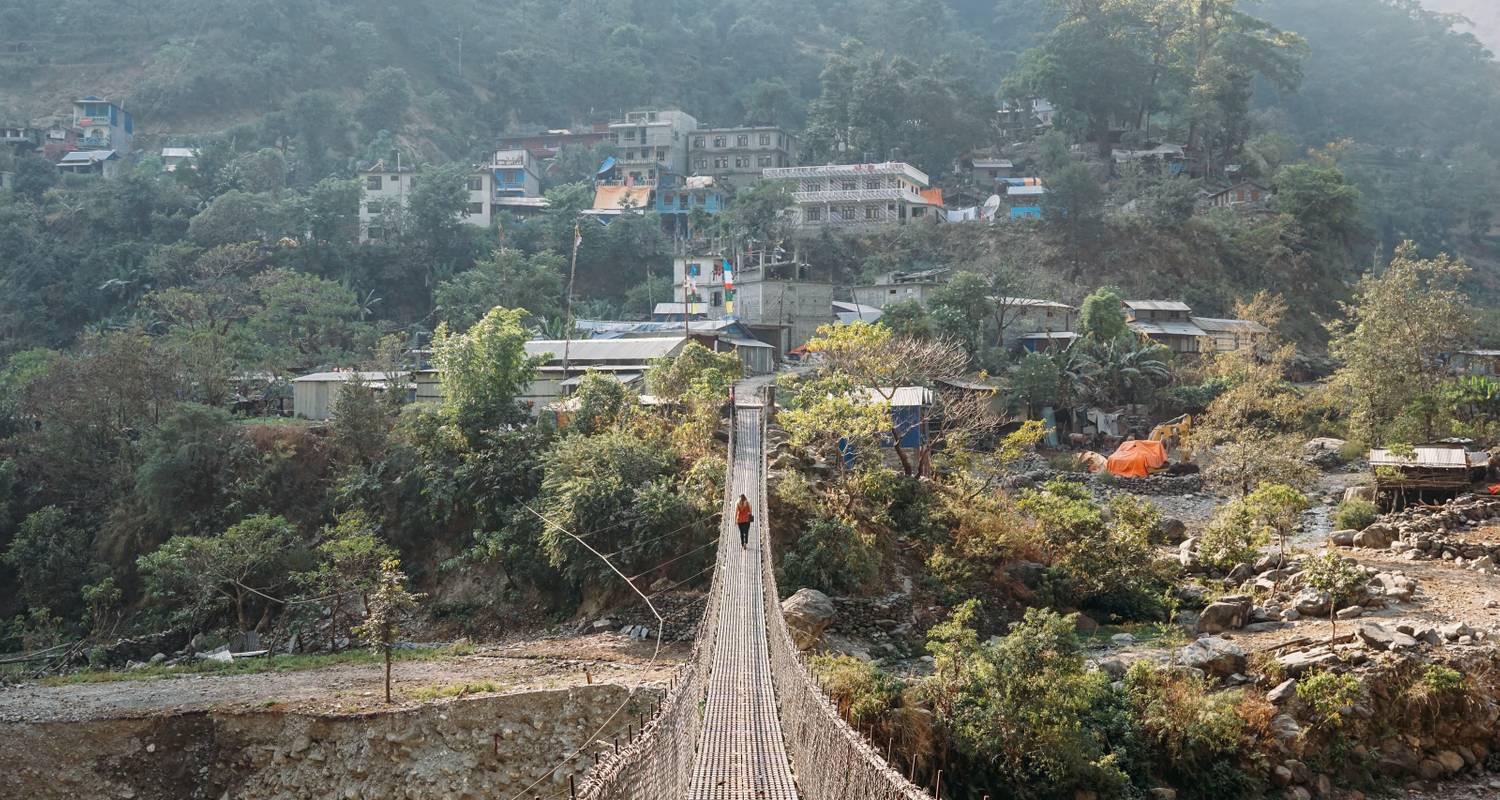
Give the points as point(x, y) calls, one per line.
point(848, 195)
point(387, 190)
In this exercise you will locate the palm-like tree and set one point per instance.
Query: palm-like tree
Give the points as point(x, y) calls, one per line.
point(1122, 371)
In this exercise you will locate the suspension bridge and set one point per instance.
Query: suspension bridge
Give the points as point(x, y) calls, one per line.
point(743, 719)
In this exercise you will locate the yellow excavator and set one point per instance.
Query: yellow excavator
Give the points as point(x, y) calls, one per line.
point(1173, 435)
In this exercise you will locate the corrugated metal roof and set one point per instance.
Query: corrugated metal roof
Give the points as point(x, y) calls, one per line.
point(178, 152)
point(1214, 324)
point(900, 396)
point(1157, 305)
point(676, 308)
point(86, 156)
point(1059, 335)
point(584, 350)
point(344, 375)
point(626, 378)
point(1025, 191)
point(1031, 302)
point(1425, 456)
point(743, 342)
point(1167, 328)
point(993, 163)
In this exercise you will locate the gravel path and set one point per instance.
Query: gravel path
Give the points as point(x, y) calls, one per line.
point(351, 688)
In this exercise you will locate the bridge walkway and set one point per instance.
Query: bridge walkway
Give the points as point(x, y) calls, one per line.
point(742, 755)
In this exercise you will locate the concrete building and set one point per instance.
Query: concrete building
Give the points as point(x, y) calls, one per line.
point(386, 191)
point(58, 140)
point(21, 140)
point(105, 163)
point(1245, 194)
point(676, 198)
point(102, 125)
point(897, 287)
point(649, 144)
point(1034, 324)
point(737, 156)
point(546, 144)
point(314, 396)
point(1026, 118)
point(516, 174)
point(781, 302)
point(853, 195)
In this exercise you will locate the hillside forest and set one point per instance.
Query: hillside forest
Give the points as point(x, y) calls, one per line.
point(142, 319)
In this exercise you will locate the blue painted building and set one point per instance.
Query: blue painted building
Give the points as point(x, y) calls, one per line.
point(515, 174)
point(677, 197)
point(102, 125)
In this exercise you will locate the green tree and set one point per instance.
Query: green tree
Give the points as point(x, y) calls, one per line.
point(1390, 342)
point(304, 320)
point(50, 557)
point(1074, 202)
point(907, 319)
point(387, 98)
point(246, 565)
point(1274, 509)
point(349, 566)
point(506, 278)
point(191, 467)
point(1021, 705)
point(1102, 317)
point(1231, 538)
point(484, 370)
point(961, 308)
point(1337, 577)
point(390, 607)
point(602, 402)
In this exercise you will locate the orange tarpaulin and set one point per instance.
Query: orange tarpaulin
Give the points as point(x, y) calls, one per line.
point(1136, 459)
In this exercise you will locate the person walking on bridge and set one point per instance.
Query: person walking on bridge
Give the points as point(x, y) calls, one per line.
point(743, 518)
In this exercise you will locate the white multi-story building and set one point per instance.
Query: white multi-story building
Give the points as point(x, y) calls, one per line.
point(386, 191)
point(847, 195)
point(516, 174)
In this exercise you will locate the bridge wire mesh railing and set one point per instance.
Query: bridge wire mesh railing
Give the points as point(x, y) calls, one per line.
point(831, 760)
point(658, 763)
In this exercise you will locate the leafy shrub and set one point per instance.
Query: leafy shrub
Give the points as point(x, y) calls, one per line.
point(1023, 706)
point(863, 692)
point(1355, 514)
point(1191, 737)
point(829, 555)
point(1231, 538)
point(1328, 696)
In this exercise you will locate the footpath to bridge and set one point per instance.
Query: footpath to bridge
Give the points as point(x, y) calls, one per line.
point(742, 718)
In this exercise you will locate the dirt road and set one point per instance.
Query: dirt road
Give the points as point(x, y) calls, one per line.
point(557, 663)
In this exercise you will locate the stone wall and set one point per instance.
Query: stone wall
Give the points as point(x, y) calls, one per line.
point(464, 748)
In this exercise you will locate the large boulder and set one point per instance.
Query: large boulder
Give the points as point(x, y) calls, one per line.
point(1172, 530)
point(808, 613)
point(1214, 655)
point(1376, 537)
point(1225, 614)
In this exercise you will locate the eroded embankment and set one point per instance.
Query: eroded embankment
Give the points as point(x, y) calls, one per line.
point(481, 747)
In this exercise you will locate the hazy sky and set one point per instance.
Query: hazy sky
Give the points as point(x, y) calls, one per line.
point(1484, 13)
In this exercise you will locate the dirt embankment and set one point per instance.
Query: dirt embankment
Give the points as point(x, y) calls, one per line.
point(327, 733)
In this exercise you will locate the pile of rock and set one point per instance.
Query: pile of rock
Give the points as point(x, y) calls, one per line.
point(1422, 532)
point(1285, 597)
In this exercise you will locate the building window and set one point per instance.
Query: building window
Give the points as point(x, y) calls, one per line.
point(850, 186)
point(813, 214)
point(869, 212)
point(661, 154)
point(395, 179)
point(719, 141)
point(919, 211)
point(476, 184)
point(716, 299)
point(873, 183)
point(630, 134)
point(765, 140)
point(742, 161)
point(742, 141)
point(850, 213)
point(766, 161)
point(698, 142)
point(682, 201)
point(476, 209)
point(695, 270)
point(373, 183)
point(701, 163)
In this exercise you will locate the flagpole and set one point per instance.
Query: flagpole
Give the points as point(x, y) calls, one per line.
point(568, 303)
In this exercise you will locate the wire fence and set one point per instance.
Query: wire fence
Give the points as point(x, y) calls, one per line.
point(831, 760)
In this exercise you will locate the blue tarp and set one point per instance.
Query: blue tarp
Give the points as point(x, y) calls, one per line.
point(609, 164)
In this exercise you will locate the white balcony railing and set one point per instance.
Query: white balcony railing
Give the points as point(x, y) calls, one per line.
point(834, 196)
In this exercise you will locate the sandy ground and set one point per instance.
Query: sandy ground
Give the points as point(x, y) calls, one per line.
point(544, 664)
